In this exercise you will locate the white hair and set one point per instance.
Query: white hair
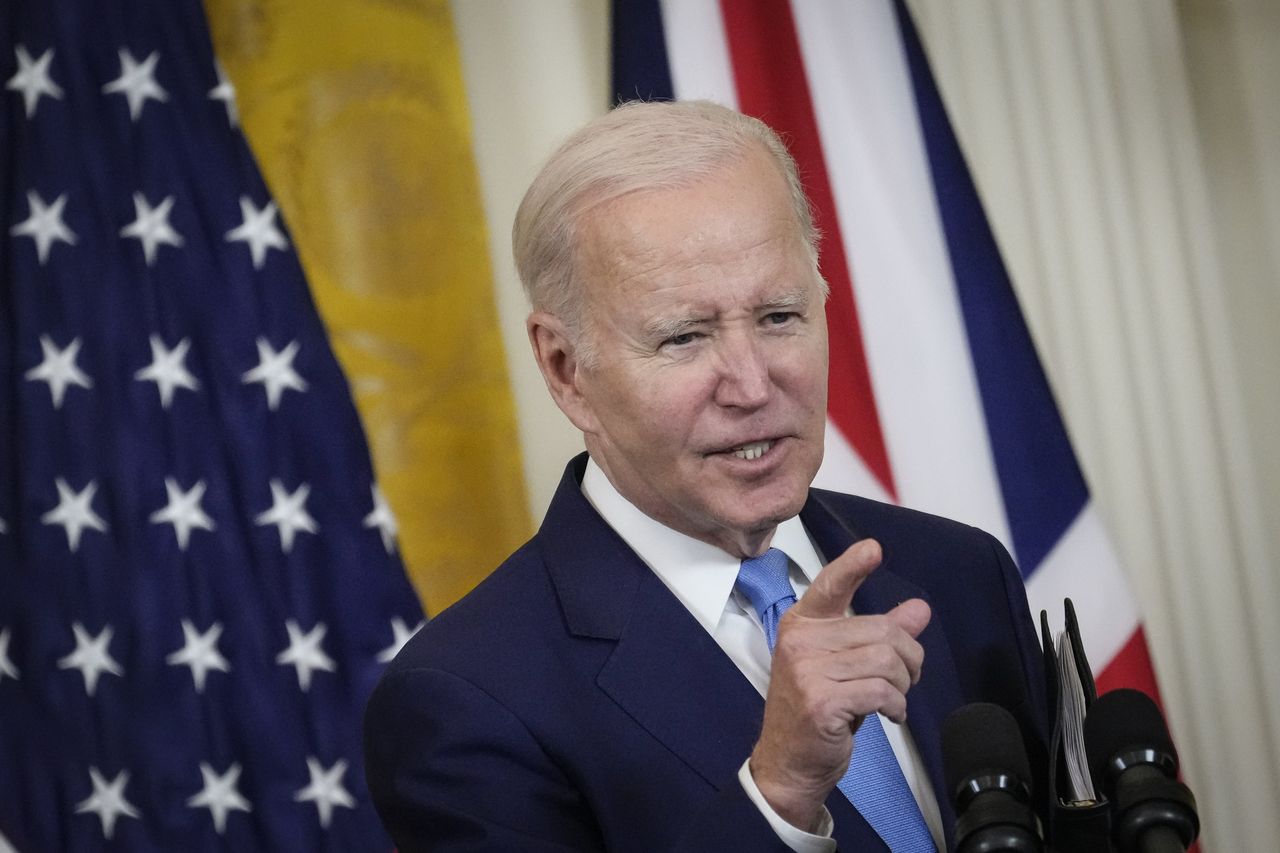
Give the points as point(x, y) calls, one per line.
point(637, 146)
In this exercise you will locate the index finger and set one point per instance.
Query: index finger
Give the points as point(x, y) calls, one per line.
point(832, 590)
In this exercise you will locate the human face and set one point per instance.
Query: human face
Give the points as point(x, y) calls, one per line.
point(705, 400)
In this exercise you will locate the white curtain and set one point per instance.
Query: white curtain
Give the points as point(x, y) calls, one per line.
point(1085, 124)
point(1129, 157)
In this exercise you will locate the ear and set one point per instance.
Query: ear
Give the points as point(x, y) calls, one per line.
point(557, 358)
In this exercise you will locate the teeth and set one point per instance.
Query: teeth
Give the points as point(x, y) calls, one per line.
point(752, 451)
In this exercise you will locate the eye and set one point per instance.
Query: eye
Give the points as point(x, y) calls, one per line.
point(682, 339)
point(779, 318)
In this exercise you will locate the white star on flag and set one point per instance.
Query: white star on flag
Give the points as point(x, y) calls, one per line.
point(226, 93)
point(44, 224)
point(275, 372)
point(200, 652)
point(58, 368)
point(74, 511)
point(168, 369)
point(288, 512)
point(258, 230)
point(401, 634)
point(219, 795)
point(151, 226)
point(382, 518)
point(107, 800)
point(137, 82)
point(183, 511)
point(91, 656)
point(325, 789)
point(33, 79)
point(7, 669)
point(304, 652)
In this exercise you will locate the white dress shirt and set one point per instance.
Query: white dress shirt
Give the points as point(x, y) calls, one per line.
point(702, 578)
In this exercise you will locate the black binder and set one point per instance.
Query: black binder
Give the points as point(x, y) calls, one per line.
point(1074, 827)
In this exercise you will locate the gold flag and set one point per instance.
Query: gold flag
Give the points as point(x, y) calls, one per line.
point(357, 115)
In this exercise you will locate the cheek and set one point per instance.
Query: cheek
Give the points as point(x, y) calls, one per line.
point(649, 411)
point(814, 372)
point(670, 414)
point(804, 376)
point(667, 420)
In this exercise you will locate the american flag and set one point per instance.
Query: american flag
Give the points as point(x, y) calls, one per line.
point(199, 581)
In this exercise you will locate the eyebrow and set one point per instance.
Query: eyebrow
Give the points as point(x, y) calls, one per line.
point(668, 327)
point(794, 299)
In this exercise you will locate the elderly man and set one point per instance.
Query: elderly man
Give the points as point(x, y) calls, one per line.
point(636, 677)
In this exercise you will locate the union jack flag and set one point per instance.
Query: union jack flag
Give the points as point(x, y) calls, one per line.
point(937, 397)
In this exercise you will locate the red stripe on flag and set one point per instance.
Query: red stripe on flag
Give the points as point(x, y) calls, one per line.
point(1131, 667)
point(769, 73)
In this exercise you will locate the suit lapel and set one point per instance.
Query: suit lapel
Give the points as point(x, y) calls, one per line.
point(665, 671)
point(675, 681)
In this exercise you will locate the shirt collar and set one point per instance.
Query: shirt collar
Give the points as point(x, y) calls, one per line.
point(700, 575)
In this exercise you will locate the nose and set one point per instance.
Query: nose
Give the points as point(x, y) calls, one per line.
point(744, 381)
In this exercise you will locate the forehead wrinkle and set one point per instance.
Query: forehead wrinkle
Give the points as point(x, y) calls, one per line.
point(628, 248)
point(662, 274)
point(626, 263)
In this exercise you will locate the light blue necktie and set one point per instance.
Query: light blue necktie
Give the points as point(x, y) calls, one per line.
point(874, 782)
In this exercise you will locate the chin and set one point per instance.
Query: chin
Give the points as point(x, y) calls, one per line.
point(767, 514)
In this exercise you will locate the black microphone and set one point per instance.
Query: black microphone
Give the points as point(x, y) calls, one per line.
point(1132, 756)
point(986, 769)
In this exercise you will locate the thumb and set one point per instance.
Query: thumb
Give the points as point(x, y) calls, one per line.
point(911, 616)
point(832, 590)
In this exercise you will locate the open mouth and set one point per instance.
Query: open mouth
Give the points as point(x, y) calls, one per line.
point(754, 450)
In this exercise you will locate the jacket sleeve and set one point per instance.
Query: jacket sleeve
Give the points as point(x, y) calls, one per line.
point(451, 769)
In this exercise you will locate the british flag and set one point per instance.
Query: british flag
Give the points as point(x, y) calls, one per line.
point(937, 398)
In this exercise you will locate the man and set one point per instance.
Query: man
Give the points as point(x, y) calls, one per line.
point(623, 681)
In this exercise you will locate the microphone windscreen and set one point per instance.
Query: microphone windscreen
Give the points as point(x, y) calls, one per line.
point(1122, 721)
point(982, 738)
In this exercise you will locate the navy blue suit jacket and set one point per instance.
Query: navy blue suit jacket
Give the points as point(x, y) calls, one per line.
point(570, 702)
